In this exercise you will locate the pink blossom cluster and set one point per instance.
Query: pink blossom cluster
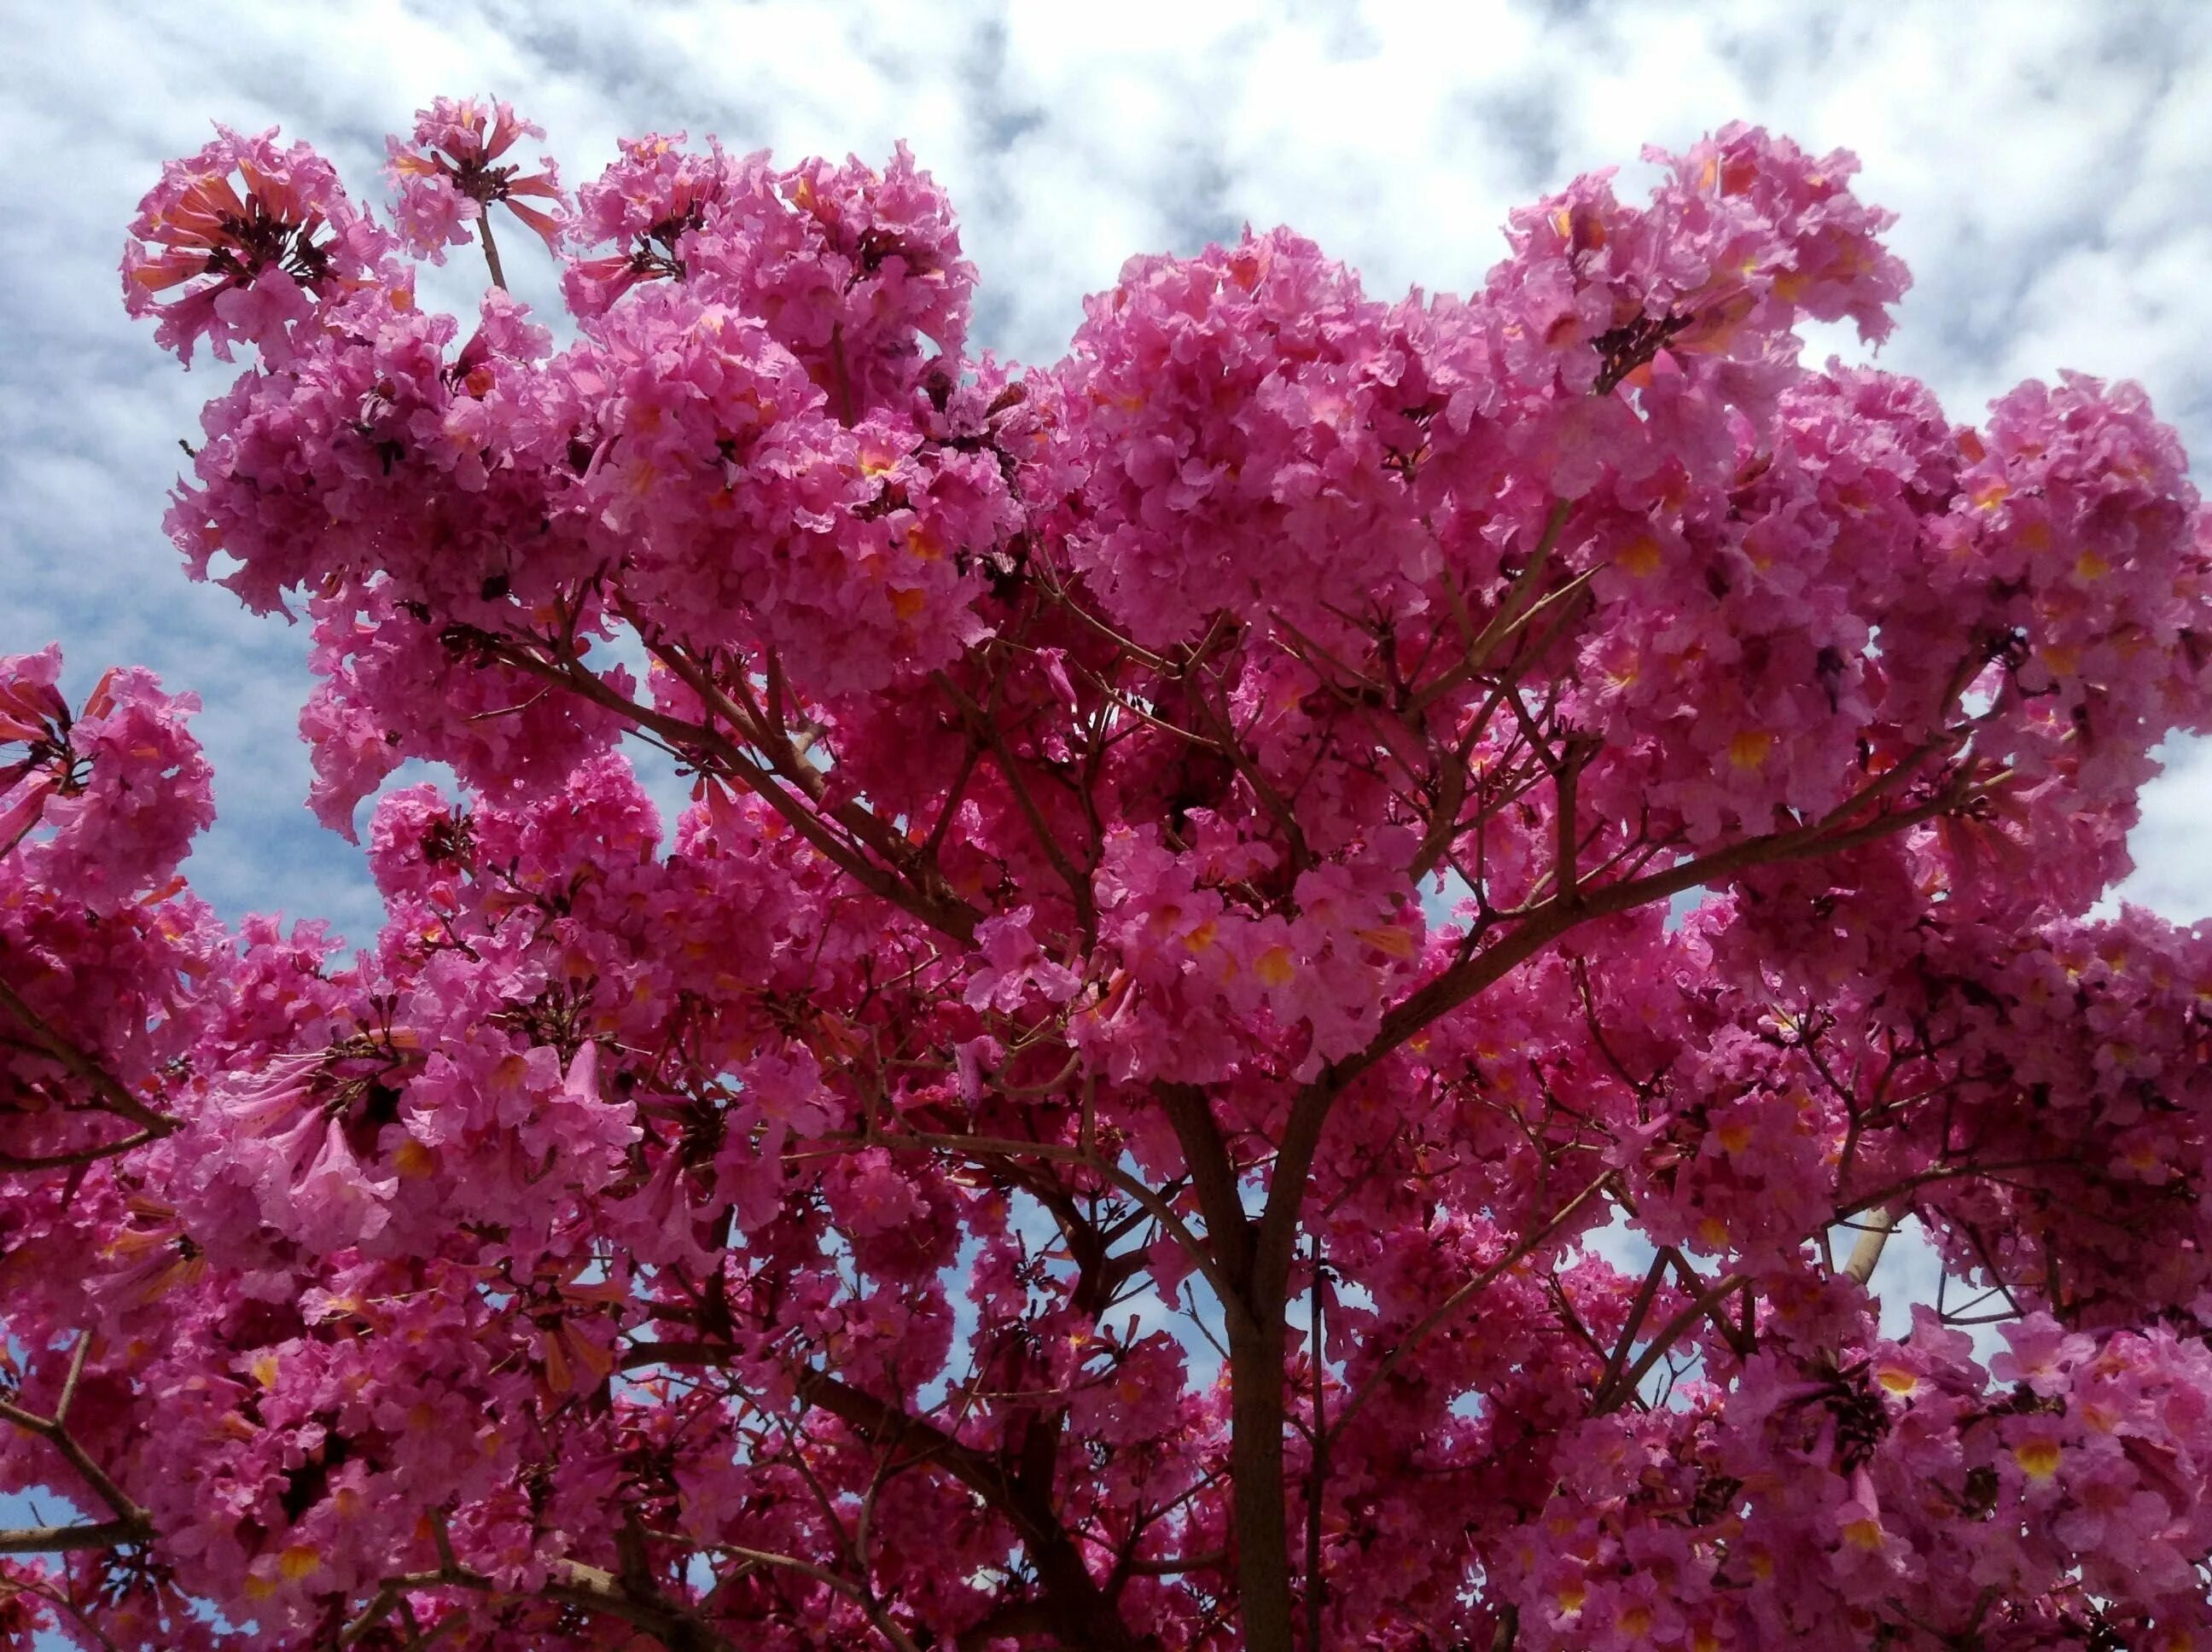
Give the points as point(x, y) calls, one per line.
point(1167, 1089)
point(447, 180)
point(1841, 1490)
point(853, 270)
point(256, 244)
point(99, 805)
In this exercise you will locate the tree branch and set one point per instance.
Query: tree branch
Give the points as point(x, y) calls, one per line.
point(1444, 1311)
point(983, 1149)
point(113, 1096)
point(490, 247)
point(942, 912)
point(51, 1429)
point(1866, 1254)
point(1082, 1612)
point(886, 1624)
point(1213, 1179)
point(574, 1584)
point(63, 1539)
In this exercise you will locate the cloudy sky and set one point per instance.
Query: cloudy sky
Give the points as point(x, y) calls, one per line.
point(2051, 164)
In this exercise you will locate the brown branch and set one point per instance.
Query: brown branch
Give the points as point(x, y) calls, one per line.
point(1317, 1477)
point(886, 1624)
point(490, 247)
point(63, 1539)
point(987, 1148)
point(1540, 926)
point(983, 726)
point(1738, 1335)
point(1442, 1313)
point(113, 1096)
point(378, 1608)
point(1520, 597)
point(1567, 854)
point(1175, 1566)
point(10, 1161)
point(78, 1355)
point(639, 1355)
point(1081, 1612)
point(1633, 1326)
point(1889, 1206)
point(586, 1587)
point(1626, 1383)
point(1213, 1179)
point(51, 1429)
point(764, 726)
point(941, 911)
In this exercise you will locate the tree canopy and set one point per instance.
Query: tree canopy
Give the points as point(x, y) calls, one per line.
point(1313, 954)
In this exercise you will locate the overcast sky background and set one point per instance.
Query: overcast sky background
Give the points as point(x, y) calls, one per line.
point(2051, 164)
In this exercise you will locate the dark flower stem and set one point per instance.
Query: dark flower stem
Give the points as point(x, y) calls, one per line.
point(490, 247)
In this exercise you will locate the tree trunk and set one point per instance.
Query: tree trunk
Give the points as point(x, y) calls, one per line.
point(1255, 1468)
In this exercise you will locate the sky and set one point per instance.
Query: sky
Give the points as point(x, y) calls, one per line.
point(2049, 165)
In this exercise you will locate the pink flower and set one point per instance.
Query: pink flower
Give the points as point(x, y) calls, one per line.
point(120, 786)
point(253, 236)
point(2041, 1353)
point(871, 1195)
point(1015, 965)
point(649, 202)
point(450, 176)
point(1177, 851)
point(338, 1204)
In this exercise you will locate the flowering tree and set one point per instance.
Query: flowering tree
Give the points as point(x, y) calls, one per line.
point(1217, 872)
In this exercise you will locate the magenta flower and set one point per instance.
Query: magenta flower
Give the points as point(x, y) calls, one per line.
point(446, 182)
point(648, 203)
point(253, 235)
point(1184, 840)
point(116, 791)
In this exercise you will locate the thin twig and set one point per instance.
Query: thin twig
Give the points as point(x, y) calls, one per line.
point(1450, 1305)
point(78, 1065)
point(490, 247)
